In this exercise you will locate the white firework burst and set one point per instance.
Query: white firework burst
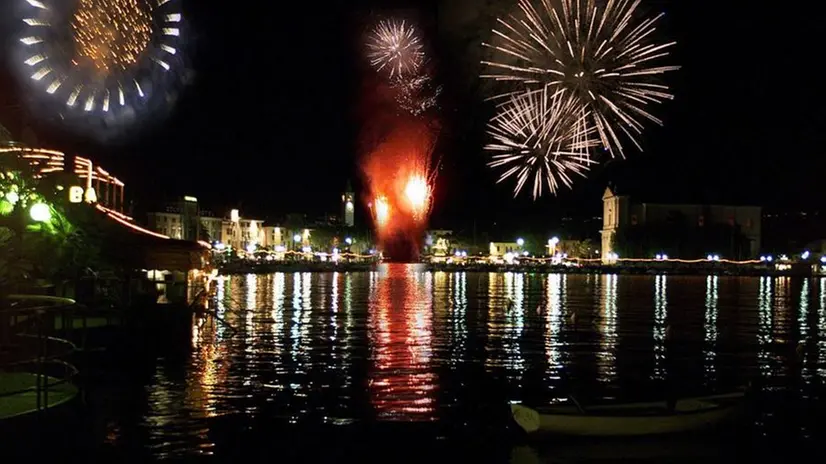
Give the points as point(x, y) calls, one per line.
point(601, 52)
point(543, 137)
point(100, 57)
point(395, 47)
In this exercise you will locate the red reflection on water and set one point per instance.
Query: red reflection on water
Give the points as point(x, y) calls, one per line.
point(402, 381)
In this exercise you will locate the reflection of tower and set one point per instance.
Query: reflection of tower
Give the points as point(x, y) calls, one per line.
point(349, 206)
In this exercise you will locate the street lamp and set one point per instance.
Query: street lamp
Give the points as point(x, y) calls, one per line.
point(520, 241)
point(40, 212)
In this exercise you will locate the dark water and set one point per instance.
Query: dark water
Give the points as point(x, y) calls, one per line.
point(401, 359)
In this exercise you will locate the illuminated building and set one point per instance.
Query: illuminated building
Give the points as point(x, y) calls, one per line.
point(98, 185)
point(349, 206)
point(732, 231)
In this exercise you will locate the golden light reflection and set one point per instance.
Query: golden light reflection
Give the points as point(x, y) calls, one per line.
point(458, 318)
point(111, 34)
point(402, 382)
point(660, 325)
point(607, 356)
point(554, 292)
point(279, 283)
point(251, 283)
point(821, 331)
point(710, 330)
point(515, 321)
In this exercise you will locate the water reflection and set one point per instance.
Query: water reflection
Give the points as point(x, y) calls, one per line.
point(514, 322)
point(553, 324)
point(820, 339)
point(606, 357)
point(402, 344)
point(764, 326)
point(710, 330)
point(660, 319)
point(458, 317)
point(402, 383)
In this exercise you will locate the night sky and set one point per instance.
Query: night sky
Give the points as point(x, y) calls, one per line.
point(269, 120)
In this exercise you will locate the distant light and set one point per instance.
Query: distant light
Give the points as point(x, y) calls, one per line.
point(335, 251)
point(805, 255)
point(659, 257)
point(524, 253)
point(40, 212)
point(823, 259)
point(349, 206)
point(769, 258)
point(307, 249)
point(296, 238)
point(219, 246)
point(348, 240)
point(234, 216)
point(710, 257)
point(280, 249)
point(553, 240)
point(457, 253)
point(762, 258)
point(190, 199)
point(520, 241)
point(716, 257)
point(464, 253)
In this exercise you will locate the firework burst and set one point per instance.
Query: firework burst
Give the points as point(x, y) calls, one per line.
point(100, 58)
point(600, 52)
point(395, 47)
point(541, 137)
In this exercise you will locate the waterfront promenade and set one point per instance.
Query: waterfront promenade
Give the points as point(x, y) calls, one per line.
point(631, 268)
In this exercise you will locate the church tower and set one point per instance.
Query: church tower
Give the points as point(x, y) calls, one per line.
point(614, 217)
point(349, 206)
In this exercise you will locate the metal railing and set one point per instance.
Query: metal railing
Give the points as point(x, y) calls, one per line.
point(27, 321)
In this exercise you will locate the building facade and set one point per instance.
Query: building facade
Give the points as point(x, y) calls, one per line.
point(733, 231)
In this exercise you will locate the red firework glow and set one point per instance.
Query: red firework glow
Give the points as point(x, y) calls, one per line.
point(399, 134)
point(399, 174)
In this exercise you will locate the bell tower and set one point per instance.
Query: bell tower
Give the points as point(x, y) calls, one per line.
point(614, 214)
point(349, 206)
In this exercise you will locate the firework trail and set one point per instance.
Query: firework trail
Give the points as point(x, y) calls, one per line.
point(601, 52)
point(541, 137)
point(399, 166)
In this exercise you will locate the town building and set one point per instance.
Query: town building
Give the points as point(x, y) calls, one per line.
point(632, 229)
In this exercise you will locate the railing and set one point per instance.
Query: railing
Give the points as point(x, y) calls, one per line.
point(25, 319)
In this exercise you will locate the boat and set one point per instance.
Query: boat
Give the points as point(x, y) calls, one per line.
point(630, 419)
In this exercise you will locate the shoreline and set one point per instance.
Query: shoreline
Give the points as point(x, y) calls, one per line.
point(627, 269)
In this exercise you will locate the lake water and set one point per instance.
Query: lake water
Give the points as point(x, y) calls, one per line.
point(404, 359)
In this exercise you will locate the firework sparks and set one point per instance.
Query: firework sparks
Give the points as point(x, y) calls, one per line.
point(111, 33)
point(415, 94)
point(597, 51)
point(541, 136)
point(104, 59)
point(417, 193)
point(395, 47)
point(382, 211)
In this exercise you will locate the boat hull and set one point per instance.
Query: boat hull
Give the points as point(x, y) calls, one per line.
point(641, 419)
